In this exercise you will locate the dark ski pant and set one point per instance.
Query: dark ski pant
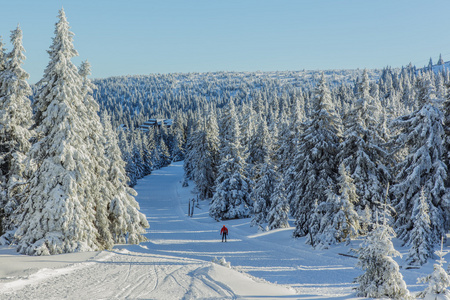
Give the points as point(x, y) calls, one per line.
point(224, 236)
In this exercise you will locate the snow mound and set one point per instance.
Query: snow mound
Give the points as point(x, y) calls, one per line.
point(221, 262)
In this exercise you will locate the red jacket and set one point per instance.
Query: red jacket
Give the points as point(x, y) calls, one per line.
point(224, 230)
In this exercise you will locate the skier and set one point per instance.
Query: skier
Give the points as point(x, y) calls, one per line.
point(224, 233)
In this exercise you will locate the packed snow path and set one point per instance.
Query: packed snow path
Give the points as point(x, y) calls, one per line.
point(176, 262)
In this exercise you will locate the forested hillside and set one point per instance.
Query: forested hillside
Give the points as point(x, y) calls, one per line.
point(326, 148)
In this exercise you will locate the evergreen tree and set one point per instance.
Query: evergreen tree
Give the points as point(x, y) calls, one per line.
point(278, 214)
point(58, 217)
point(422, 133)
point(15, 121)
point(232, 197)
point(67, 199)
point(178, 140)
point(438, 281)
point(262, 193)
point(95, 142)
point(259, 146)
point(204, 156)
point(130, 167)
point(213, 142)
point(440, 61)
point(361, 150)
point(315, 166)
point(202, 160)
point(339, 220)
point(382, 277)
point(191, 154)
point(127, 224)
point(446, 127)
point(421, 245)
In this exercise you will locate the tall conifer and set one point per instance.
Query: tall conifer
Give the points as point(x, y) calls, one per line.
point(15, 121)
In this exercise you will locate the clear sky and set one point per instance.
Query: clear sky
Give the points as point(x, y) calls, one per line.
point(146, 36)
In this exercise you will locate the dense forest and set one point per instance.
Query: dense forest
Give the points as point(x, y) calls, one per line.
point(333, 150)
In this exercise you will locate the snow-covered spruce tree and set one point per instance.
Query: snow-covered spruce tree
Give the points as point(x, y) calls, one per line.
point(422, 133)
point(127, 224)
point(438, 281)
point(163, 151)
point(315, 165)
point(117, 212)
point(446, 140)
point(361, 150)
point(381, 277)
point(15, 121)
point(178, 142)
point(264, 173)
point(259, 148)
point(147, 146)
point(288, 138)
point(191, 154)
point(127, 157)
point(440, 61)
point(203, 155)
point(136, 155)
point(62, 211)
point(204, 172)
point(95, 142)
point(232, 197)
point(421, 246)
point(339, 221)
point(262, 192)
point(57, 216)
point(278, 214)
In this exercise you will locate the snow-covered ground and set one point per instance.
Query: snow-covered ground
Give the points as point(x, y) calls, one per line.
point(176, 263)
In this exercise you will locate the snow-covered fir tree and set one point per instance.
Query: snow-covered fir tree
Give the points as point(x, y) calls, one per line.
point(361, 149)
point(438, 281)
point(315, 166)
point(202, 159)
point(420, 243)
point(381, 277)
point(264, 173)
point(117, 212)
point(440, 61)
point(262, 192)
point(339, 220)
point(95, 141)
point(15, 121)
point(446, 140)
point(57, 215)
point(259, 148)
point(232, 197)
point(127, 224)
point(289, 131)
point(422, 133)
point(278, 214)
point(64, 207)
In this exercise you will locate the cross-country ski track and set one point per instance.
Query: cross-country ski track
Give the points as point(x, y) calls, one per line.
point(176, 262)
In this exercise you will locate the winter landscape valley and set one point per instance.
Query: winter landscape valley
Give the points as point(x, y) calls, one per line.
point(329, 182)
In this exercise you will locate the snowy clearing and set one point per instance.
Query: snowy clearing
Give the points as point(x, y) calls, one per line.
point(177, 261)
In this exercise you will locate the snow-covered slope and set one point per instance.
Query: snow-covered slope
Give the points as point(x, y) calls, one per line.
point(176, 262)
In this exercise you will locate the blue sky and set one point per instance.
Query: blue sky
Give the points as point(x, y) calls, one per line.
point(145, 36)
